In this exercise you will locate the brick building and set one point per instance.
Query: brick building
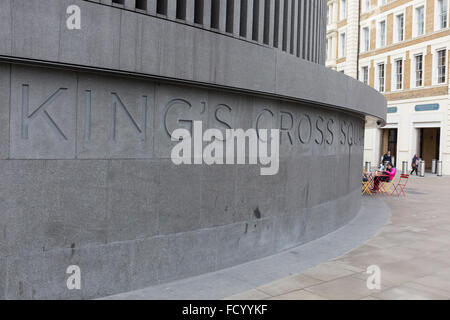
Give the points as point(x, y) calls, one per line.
point(401, 48)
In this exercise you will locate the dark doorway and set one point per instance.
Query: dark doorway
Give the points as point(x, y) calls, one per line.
point(389, 143)
point(429, 145)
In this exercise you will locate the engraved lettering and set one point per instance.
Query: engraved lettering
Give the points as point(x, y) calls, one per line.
point(305, 140)
point(42, 109)
point(142, 130)
point(330, 125)
point(320, 141)
point(287, 129)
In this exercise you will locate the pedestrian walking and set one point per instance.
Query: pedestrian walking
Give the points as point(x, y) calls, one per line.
point(415, 165)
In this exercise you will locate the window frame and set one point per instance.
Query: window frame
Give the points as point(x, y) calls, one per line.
point(342, 44)
point(342, 10)
point(438, 15)
point(365, 41)
point(379, 43)
point(398, 77)
point(396, 27)
point(415, 78)
point(365, 5)
point(439, 67)
point(365, 77)
point(381, 86)
point(416, 20)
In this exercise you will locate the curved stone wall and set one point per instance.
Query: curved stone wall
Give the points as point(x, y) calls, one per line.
point(86, 177)
point(295, 27)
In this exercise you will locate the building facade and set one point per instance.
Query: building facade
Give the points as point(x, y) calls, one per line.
point(401, 48)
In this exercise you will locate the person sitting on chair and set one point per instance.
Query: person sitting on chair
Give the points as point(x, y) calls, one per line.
point(386, 176)
point(365, 177)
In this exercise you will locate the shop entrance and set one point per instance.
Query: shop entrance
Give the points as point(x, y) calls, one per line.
point(389, 143)
point(429, 139)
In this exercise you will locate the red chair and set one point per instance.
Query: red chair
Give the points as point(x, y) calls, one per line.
point(399, 189)
point(378, 181)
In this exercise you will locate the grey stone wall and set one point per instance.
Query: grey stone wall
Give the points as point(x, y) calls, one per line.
point(118, 40)
point(293, 26)
point(71, 193)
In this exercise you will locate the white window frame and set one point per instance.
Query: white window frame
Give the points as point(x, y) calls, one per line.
point(332, 13)
point(379, 44)
point(342, 47)
point(328, 14)
point(415, 20)
point(436, 66)
point(377, 77)
point(396, 27)
point(365, 41)
point(362, 78)
point(395, 75)
point(437, 15)
point(414, 69)
point(365, 5)
point(382, 3)
point(343, 10)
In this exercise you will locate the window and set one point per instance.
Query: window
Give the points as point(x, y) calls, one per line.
point(342, 45)
point(398, 74)
point(419, 70)
point(381, 77)
point(329, 48)
point(420, 21)
point(328, 15)
point(441, 65)
point(442, 12)
point(365, 75)
point(343, 10)
point(399, 20)
point(382, 33)
point(382, 2)
point(365, 39)
point(331, 16)
point(365, 5)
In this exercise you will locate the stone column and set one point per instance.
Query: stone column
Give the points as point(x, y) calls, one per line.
point(190, 11)
point(151, 6)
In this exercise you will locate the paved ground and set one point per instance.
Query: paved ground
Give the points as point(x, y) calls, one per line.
point(412, 251)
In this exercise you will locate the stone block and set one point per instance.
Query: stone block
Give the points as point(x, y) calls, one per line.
point(43, 113)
